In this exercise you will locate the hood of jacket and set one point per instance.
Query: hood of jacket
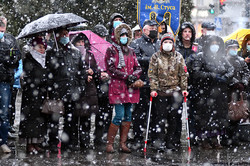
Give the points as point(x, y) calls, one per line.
point(118, 32)
point(184, 26)
point(219, 40)
point(112, 17)
point(244, 43)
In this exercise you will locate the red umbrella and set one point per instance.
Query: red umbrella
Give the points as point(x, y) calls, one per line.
point(98, 46)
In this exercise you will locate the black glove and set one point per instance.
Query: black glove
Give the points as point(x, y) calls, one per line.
point(131, 79)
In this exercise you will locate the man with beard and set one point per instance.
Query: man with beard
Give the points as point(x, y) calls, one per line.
point(144, 48)
point(189, 49)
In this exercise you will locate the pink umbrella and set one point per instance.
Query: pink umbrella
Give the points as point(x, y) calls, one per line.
point(98, 46)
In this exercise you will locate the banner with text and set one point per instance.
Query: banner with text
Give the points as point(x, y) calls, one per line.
point(159, 10)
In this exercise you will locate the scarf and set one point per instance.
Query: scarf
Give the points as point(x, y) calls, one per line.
point(40, 58)
point(121, 62)
point(83, 51)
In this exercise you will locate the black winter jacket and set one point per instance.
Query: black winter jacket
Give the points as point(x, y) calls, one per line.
point(66, 73)
point(241, 71)
point(8, 59)
point(144, 49)
point(212, 69)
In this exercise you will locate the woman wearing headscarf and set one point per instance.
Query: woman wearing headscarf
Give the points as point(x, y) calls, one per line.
point(213, 73)
point(32, 125)
point(88, 104)
point(124, 69)
point(168, 78)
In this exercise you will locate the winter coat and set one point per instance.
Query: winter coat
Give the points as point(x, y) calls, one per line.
point(8, 59)
point(213, 73)
point(241, 71)
point(188, 53)
point(119, 92)
point(66, 73)
point(144, 49)
point(33, 94)
point(90, 97)
point(167, 73)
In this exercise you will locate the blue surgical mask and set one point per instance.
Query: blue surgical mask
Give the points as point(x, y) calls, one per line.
point(124, 40)
point(64, 40)
point(116, 23)
point(233, 52)
point(214, 48)
point(248, 47)
point(1, 35)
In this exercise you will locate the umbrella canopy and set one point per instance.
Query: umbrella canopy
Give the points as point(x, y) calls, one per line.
point(238, 35)
point(50, 22)
point(98, 46)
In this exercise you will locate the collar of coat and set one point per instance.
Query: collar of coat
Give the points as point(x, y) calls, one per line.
point(148, 39)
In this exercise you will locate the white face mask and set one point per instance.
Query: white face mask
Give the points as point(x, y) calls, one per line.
point(210, 33)
point(167, 46)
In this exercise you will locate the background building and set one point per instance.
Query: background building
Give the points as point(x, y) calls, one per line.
point(229, 15)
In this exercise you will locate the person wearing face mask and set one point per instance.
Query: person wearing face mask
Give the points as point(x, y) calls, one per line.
point(9, 60)
point(168, 81)
point(144, 48)
point(245, 49)
point(66, 79)
point(237, 85)
point(213, 73)
point(90, 97)
point(186, 45)
point(124, 69)
point(114, 20)
point(32, 125)
point(207, 29)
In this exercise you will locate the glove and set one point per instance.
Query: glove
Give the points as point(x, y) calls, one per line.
point(131, 79)
point(153, 94)
point(239, 86)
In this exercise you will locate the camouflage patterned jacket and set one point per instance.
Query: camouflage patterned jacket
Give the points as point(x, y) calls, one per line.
point(167, 72)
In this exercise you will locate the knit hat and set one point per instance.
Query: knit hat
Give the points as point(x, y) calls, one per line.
point(39, 40)
point(167, 36)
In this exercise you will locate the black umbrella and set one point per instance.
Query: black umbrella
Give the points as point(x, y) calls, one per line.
point(50, 22)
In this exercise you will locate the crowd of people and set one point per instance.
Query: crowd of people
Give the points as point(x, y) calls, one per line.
point(139, 63)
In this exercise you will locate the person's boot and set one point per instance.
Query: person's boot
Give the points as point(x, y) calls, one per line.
point(111, 137)
point(123, 137)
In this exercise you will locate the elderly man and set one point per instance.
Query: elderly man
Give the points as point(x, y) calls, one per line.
point(8, 62)
point(144, 48)
point(207, 29)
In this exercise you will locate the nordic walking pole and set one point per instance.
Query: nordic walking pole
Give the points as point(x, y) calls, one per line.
point(149, 113)
point(186, 116)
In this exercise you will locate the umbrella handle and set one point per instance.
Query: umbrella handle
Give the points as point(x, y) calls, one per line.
point(55, 40)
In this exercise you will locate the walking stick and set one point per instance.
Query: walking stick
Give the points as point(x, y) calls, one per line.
point(186, 117)
point(149, 113)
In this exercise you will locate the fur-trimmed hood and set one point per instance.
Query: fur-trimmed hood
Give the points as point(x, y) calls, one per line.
point(118, 33)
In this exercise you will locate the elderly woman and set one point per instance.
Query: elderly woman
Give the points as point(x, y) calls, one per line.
point(168, 79)
point(213, 73)
point(32, 125)
point(123, 68)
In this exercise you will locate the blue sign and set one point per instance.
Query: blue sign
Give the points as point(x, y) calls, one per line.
point(160, 8)
point(218, 23)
